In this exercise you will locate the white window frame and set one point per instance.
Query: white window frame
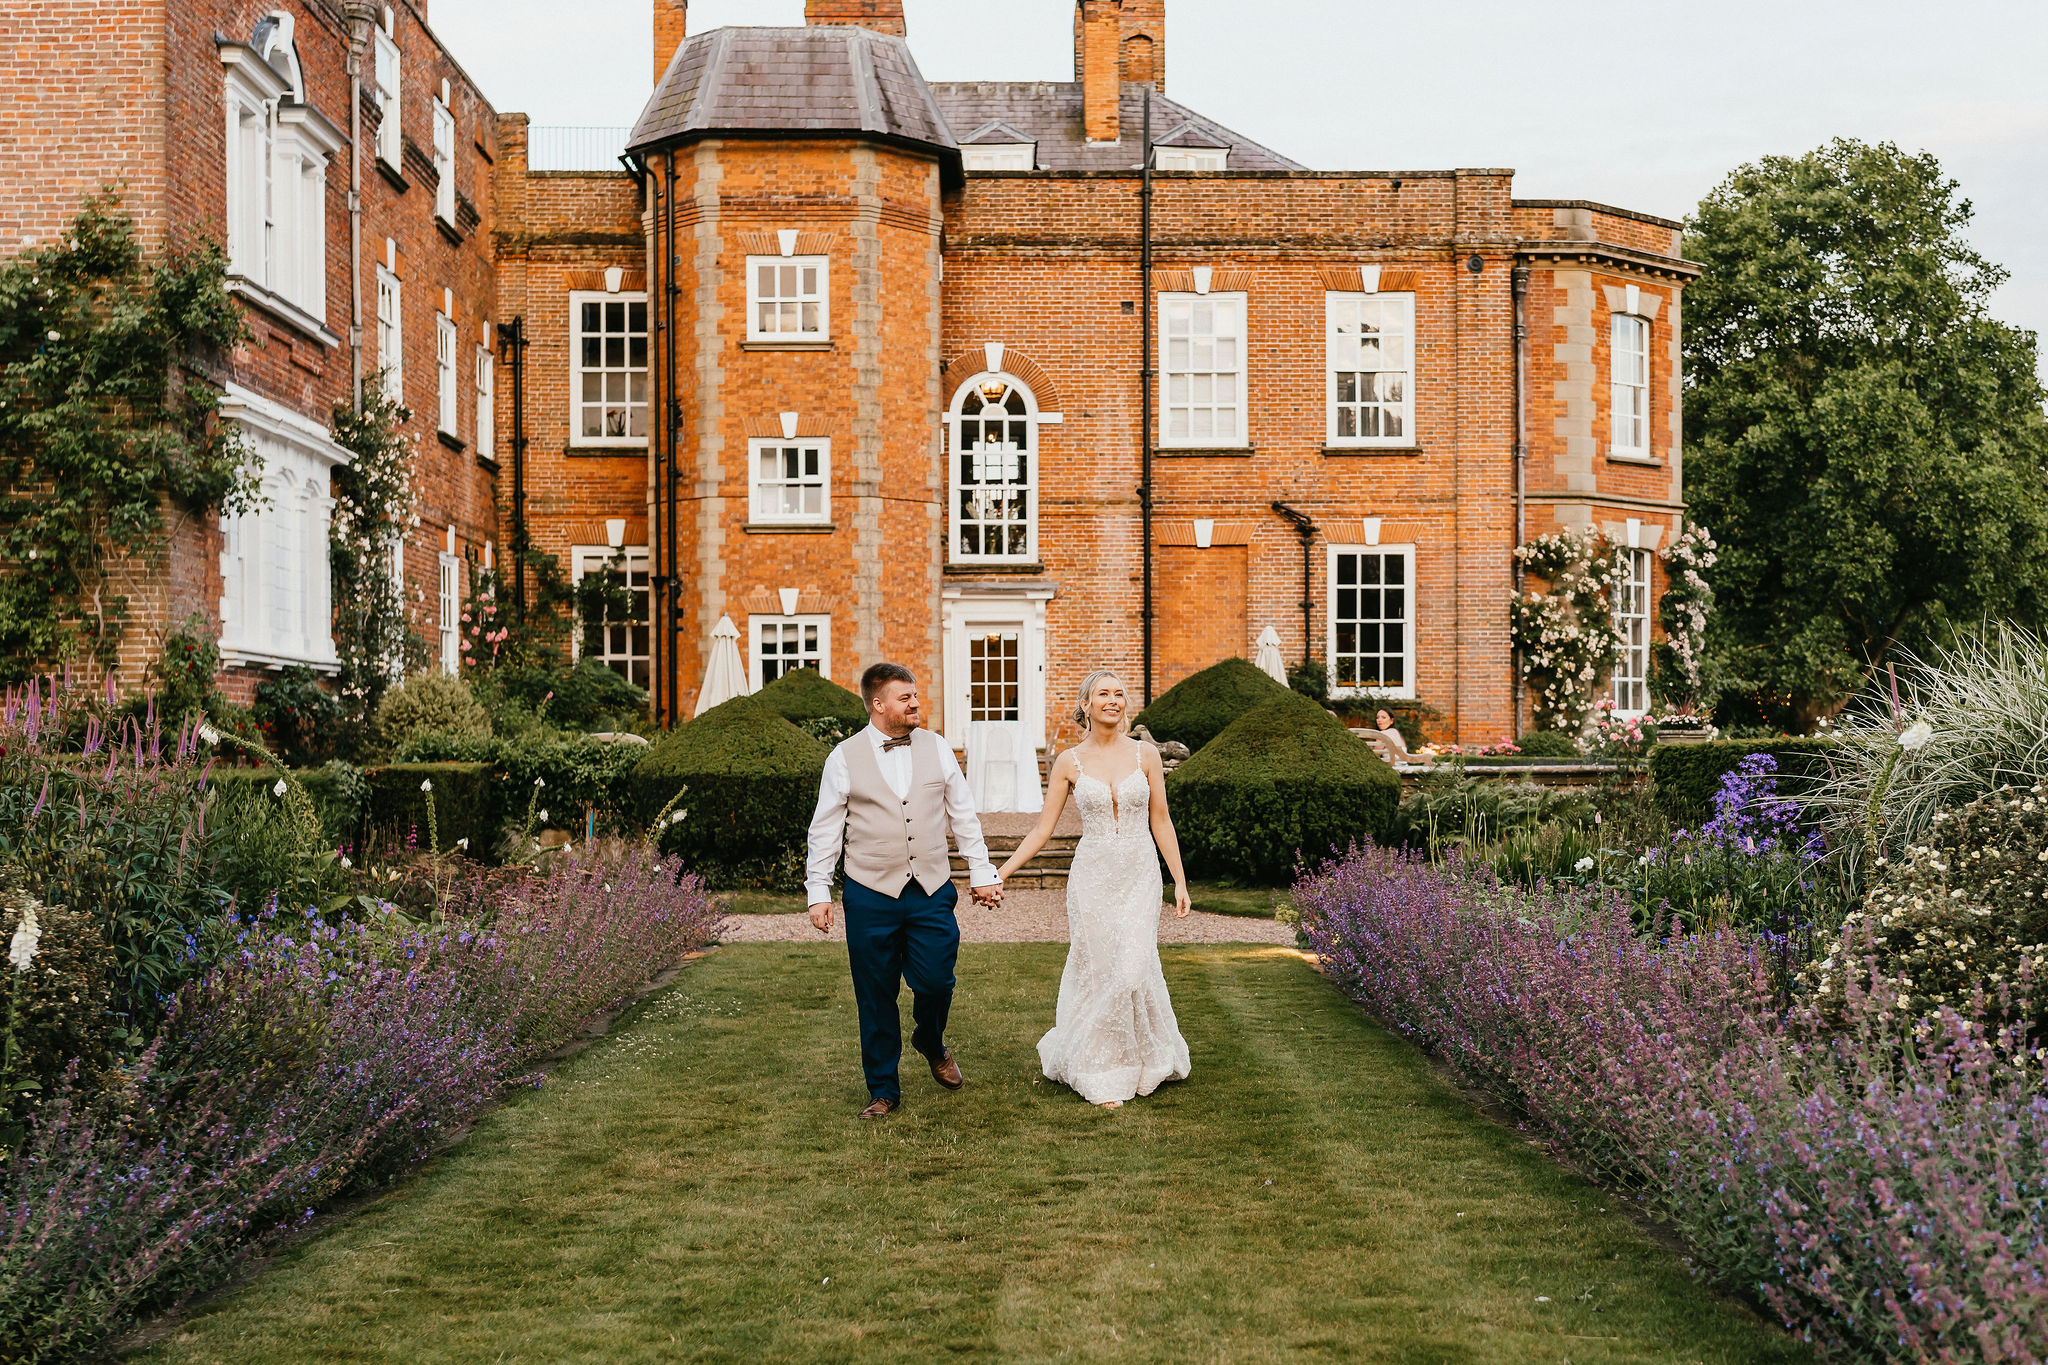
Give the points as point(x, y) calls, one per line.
point(448, 391)
point(276, 178)
point(759, 626)
point(444, 162)
point(820, 298)
point(1331, 602)
point(999, 156)
point(1630, 685)
point(450, 602)
point(1190, 158)
point(1024, 477)
point(1345, 314)
point(1629, 387)
point(385, 87)
point(1189, 397)
point(391, 333)
point(276, 605)
point(578, 404)
point(486, 403)
point(764, 501)
point(639, 667)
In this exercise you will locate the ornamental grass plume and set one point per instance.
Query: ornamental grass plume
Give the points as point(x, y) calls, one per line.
point(1881, 1182)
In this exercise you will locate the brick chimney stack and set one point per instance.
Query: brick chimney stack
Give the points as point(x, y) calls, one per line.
point(883, 16)
point(671, 26)
point(1100, 62)
point(1141, 42)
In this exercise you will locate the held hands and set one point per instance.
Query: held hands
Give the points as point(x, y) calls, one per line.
point(991, 895)
point(1180, 900)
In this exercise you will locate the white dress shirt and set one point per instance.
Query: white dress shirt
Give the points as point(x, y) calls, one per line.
point(828, 824)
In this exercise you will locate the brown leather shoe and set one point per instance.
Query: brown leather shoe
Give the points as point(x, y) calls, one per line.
point(946, 1072)
point(879, 1109)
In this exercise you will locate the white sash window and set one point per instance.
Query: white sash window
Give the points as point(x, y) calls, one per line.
point(277, 154)
point(792, 481)
point(1371, 347)
point(1202, 375)
point(390, 335)
point(276, 600)
point(486, 405)
point(1632, 622)
point(608, 369)
point(783, 644)
point(1631, 386)
point(384, 91)
point(444, 366)
point(1372, 620)
point(789, 298)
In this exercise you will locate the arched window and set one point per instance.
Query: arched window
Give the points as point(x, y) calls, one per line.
point(993, 456)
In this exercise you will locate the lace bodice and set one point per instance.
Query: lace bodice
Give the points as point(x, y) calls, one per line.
point(1109, 812)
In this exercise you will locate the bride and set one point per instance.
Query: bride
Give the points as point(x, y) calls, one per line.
point(1114, 1035)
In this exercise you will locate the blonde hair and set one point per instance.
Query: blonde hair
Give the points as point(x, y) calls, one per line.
point(1080, 713)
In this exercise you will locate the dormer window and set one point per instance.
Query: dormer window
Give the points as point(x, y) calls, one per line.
point(1000, 156)
point(277, 153)
point(1191, 158)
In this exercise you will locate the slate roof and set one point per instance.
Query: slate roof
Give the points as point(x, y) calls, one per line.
point(1050, 113)
point(830, 78)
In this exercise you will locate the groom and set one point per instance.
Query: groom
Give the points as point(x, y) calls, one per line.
point(889, 794)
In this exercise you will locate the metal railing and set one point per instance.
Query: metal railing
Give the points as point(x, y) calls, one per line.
point(575, 149)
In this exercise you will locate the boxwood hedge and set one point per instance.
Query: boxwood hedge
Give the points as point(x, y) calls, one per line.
point(1283, 780)
point(1198, 708)
point(388, 809)
point(750, 782)
point(1687, 775)
point(807, 695)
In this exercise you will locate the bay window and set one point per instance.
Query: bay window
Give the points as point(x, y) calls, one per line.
point(277, 154)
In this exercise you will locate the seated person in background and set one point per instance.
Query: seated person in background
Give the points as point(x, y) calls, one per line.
point(1386, 740)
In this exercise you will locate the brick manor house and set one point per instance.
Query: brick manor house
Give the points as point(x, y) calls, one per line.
point(882, 367)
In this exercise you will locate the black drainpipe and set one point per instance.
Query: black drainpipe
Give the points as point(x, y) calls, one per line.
point(1145, 385)
point(672, 414)
point(1306, 529)
point(512, 341)
point(1521, 293)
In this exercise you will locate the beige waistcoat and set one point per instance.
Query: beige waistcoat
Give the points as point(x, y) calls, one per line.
point(892, 840)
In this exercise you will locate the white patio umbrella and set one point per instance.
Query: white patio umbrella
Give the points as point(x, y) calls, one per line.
point(1268, 660)
point(725, 673)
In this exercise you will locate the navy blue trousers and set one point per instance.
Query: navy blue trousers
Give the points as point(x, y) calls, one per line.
point(890, 940)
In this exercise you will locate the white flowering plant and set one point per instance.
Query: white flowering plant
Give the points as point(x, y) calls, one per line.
point(1683, 611)
point(1964, 908)
point(376, 506)
point(1564, 632)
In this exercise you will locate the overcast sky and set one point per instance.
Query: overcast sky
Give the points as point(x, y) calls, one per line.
point(1642, 104)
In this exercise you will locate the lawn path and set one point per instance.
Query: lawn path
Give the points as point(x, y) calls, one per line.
point(696, 1188)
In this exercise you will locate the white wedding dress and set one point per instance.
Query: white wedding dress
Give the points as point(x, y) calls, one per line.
point(1114, 1035)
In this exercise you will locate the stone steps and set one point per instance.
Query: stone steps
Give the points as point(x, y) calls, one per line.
point(1048, 870)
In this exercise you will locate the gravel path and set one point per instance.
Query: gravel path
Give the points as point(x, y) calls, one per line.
point(1023, 917)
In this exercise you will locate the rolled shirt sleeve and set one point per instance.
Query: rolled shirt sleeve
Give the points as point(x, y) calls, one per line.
point(828, 828)
point(965, 821)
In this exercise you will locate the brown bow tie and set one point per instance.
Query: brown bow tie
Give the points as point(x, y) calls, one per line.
point(889, 744)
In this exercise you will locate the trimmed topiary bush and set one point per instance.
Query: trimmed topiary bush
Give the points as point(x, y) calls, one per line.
point(806, 695)
point(1283, 782)
point(1688, 775)
point(1548, 744)
point(430, 703)
point(749, 780)
point(1198, 708)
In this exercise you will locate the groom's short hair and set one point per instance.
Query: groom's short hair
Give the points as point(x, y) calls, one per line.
point(878, 674)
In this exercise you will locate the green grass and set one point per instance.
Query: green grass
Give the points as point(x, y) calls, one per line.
point(697, 1188)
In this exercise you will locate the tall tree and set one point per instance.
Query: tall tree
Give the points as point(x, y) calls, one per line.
point(1866, 441)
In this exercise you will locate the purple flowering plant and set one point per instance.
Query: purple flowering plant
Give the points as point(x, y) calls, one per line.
point(1885, 1194)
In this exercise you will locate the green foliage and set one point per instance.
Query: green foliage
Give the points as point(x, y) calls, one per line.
point(430, 703)
point(468, 805)
point(1548, 744)
point(753, 783)
point(1198, 708)
point(1967, 909)
point(1448, 809)
point(55, 1012)
point(1284, 781)
point(566, 775)
point(1865, 439)
point(522, 697)
point(805, 694)
point(106, 421)
point(300, 719)
point(374, 506)
point(1311, 678)
point(1687, 775)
